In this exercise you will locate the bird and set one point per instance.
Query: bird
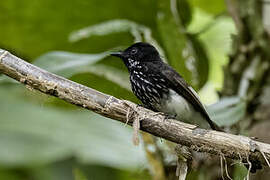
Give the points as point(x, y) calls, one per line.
point(160, 88)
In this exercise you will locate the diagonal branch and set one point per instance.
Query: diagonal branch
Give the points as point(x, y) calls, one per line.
point(213, 142)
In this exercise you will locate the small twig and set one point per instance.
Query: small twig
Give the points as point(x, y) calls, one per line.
point(136, 128)
point(249, 166)
point(264, 157)
point(221, 167)
point(226, 167)
point(128, 115)
point(233, 9)
point(181, 169)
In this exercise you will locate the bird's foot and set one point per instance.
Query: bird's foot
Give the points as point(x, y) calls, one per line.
point(142, 105)
point(167, 116)
point(170, 116)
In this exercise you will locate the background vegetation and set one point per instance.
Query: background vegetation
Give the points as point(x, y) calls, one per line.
point(43, 137)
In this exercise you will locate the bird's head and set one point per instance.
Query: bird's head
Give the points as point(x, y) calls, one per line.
point(138, 53)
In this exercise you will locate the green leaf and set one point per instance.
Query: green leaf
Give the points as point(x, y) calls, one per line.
point(6, 79)
point(138, 31)
point(185, 11)
point(79, 175)
point(56, 19)
point(68, 64)
point(240, 172)
point(185, 53)
point(10, 175)
point(117, 76)
point(216, 37)
point(199, 68)
point(19, 148)
point(172, 40)
point(37, 135)
point(109, 27)
point(211, 6)
point(228, 111)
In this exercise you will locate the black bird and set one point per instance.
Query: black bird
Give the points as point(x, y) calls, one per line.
point(161, 88)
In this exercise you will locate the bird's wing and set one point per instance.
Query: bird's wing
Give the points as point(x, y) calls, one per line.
point(179, 85)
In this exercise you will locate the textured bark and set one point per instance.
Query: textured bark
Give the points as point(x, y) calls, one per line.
point(219, 143)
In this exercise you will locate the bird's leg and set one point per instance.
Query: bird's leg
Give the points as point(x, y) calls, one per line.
point(167, 116)
point(170, 116)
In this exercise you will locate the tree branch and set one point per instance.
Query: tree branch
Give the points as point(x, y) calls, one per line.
point(219, 143)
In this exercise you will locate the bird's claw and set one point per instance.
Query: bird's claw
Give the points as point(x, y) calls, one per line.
point(170, 116)
point(167, 116)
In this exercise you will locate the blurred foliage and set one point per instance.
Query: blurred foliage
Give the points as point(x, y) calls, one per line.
point(211, 7)
point(227, 111)
point(43, 137)
point(185, 52)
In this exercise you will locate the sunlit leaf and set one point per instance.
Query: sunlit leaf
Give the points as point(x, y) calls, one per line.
point(217, 46)
point(228, 111)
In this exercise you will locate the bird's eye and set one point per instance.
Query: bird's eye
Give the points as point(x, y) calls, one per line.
point(133, 51)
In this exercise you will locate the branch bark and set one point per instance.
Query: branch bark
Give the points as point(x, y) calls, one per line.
point(232, 146)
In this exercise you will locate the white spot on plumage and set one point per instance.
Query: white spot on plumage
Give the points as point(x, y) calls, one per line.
point(133, 63)
point(146, 81)
point(156, 99)
point(155, 91)
point(163, 80)
point(149, 89)
point(143, 87)
point(147, 95)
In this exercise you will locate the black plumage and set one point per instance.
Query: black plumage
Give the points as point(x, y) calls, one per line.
point(160, 87)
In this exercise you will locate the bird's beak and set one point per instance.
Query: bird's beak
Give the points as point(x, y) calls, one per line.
point(118, 54)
